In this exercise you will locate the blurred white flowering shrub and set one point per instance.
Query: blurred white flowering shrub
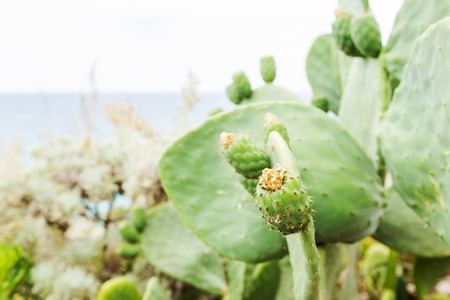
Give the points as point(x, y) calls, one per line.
point(62, 202)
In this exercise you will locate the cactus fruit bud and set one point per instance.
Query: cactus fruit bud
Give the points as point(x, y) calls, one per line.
point(366, 35)
point(283, 201)
point(342, 35)
point(139, 218)
point(129, 251)
point(272, 124)
point(321, 102)
point(243, 85)
point(268, 69)
point(119, 288)
point(128, 232)
point(233, 94)
point(249, 184)
point(247, 158)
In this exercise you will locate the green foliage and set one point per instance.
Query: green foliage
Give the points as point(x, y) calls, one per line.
point(138, 218)
point(427, 272)
point(14, 268)
point(352, 188)
point(173, 248)
point(324, 64)
point(129, 232)
point(155, 290)
point(414, 133)
point(413, 18)
point(119, 288)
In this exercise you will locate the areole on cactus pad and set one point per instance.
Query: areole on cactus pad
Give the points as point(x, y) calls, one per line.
point(212, 201)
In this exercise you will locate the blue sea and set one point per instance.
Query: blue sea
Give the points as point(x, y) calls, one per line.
point(34, 117)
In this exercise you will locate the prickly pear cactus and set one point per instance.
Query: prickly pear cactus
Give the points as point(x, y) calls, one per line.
point(272, 124)
point(342, 33)
point(128, 232)
point(283, 201)
point(272, 93)
point(411, 21)
point(129, 251)
point(138, 218)
point(338, 173)
point(240, 89)
point(415, 139)
point(246, 157)
point(402, 229)
point(324, 64)
point(268, 69)
point(366, 35)
point(364, 100)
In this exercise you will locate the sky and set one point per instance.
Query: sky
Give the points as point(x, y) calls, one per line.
point(51, 46)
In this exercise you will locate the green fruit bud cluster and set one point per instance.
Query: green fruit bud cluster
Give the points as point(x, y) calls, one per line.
point(283, 201)
point(357, 35)
point(130, 232)
point(240, 89)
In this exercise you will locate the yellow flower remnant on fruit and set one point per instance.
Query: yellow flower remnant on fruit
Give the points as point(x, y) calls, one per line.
point(226, 139)
point(272, 179)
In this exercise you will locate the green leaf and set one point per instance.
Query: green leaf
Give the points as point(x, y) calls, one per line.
point(169, 245)
point(427, 272)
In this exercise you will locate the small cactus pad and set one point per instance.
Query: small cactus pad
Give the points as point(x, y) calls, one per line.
point(138, 218)
point(233, 94)
point(283, 201)
point(272, 92)
point(366, 35)
point(364, 100)
point(415, 131)
point(129, 251)
point(411, 21)
point(268, 69)
point(128, 232)
point(272, 124)
point(170, 246)
point(119, 288)
point(242, 83)
point(402, 229)
point(325, 68)
point(321, 102)
point(246, 157)
point(210, 198)
point(342, 35)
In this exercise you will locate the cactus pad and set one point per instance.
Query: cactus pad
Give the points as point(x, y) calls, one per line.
point(210, 198)
point(128, 232)
point(129, 251)
point(411, 21)
point(170, 246)
point(415, 140)
point(138, 218)
point(249, 184)
point(268, 69)
point(402, 229)
point(342, 35)
point(366, 35)
point(324, 64)
point(271, 93)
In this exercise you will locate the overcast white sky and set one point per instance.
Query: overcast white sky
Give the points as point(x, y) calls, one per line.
point(140, 46)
